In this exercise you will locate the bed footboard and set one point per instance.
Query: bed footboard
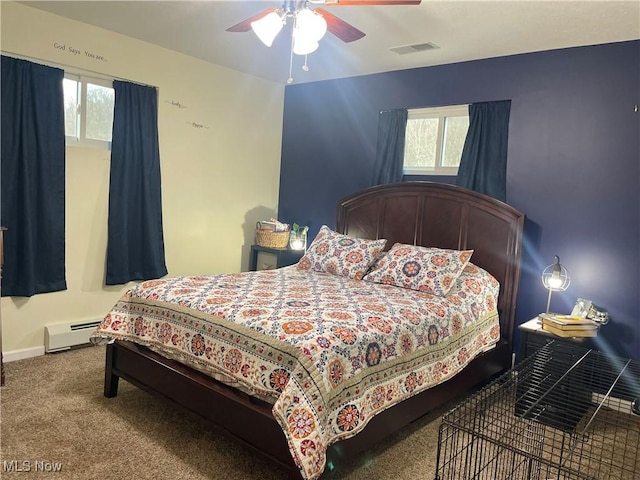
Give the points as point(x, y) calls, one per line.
point(250, 421)
point(237, 415)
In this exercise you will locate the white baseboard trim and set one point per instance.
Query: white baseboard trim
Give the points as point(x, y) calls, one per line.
point(22, 354)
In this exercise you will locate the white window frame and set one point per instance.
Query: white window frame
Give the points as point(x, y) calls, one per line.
point(81, 139)
point(440, 113)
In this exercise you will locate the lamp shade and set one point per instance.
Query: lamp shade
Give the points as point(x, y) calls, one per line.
point(268, 27)
point(312, 24)
point(303, 45)
point(308, 29)
point(555, 278)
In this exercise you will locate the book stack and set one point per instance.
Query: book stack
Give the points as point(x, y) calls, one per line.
point(568, 325)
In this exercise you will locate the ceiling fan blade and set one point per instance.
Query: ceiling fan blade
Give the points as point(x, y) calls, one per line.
point(245, 25)
point(335, 3)
point(340, 28)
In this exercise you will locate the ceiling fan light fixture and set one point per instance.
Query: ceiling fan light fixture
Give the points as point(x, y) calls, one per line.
point(309, 25)
point(312, 24)
point(268, 27)
point(303, 45)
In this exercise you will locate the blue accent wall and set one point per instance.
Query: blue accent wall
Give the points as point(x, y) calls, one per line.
point(573, 162)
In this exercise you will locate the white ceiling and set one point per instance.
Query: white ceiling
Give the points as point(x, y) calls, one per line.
point(463, 30)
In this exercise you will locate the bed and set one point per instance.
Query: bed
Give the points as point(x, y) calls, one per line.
point(296, 403)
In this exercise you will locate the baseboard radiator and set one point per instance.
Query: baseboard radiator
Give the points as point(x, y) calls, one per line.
point(63, 336)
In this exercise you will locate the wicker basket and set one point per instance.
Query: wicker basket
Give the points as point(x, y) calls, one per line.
point(267, 238)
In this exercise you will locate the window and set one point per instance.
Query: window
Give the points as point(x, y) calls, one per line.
point(434, 140)
point(88, 111)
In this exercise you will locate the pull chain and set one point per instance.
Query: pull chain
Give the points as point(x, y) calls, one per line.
point(290, 79)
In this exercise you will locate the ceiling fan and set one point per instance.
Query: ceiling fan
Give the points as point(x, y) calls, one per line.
point(309, 24)
point(341, 29)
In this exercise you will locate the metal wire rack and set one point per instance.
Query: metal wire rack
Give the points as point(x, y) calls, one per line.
point(565, 412)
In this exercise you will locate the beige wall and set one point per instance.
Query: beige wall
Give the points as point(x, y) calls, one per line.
point(217, 180)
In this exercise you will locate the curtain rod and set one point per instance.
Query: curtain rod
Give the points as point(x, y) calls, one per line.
point(445, 106)
point(71, 69)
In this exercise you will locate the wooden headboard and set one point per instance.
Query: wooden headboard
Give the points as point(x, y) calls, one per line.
point(446, 216)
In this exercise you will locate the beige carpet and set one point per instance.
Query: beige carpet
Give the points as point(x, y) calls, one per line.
point(53, 411)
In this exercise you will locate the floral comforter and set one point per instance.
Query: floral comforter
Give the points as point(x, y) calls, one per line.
point(328, 351)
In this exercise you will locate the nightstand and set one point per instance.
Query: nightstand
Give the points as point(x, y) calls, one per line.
point(266, 258)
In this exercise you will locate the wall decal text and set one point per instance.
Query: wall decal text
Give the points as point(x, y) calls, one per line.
point(76, 51)
point(175, 103)
point(196, 125)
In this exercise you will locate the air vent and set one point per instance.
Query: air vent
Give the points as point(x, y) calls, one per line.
point(419, 47)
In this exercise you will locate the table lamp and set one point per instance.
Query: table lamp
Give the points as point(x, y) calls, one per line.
point(555, 278)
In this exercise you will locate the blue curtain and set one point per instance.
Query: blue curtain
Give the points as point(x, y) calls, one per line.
point(483, 166)
point(390, 148)
point(135, 248)
point(33, 178)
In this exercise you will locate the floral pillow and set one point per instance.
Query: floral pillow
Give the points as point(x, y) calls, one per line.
point(339, 254)
point(431, 270)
